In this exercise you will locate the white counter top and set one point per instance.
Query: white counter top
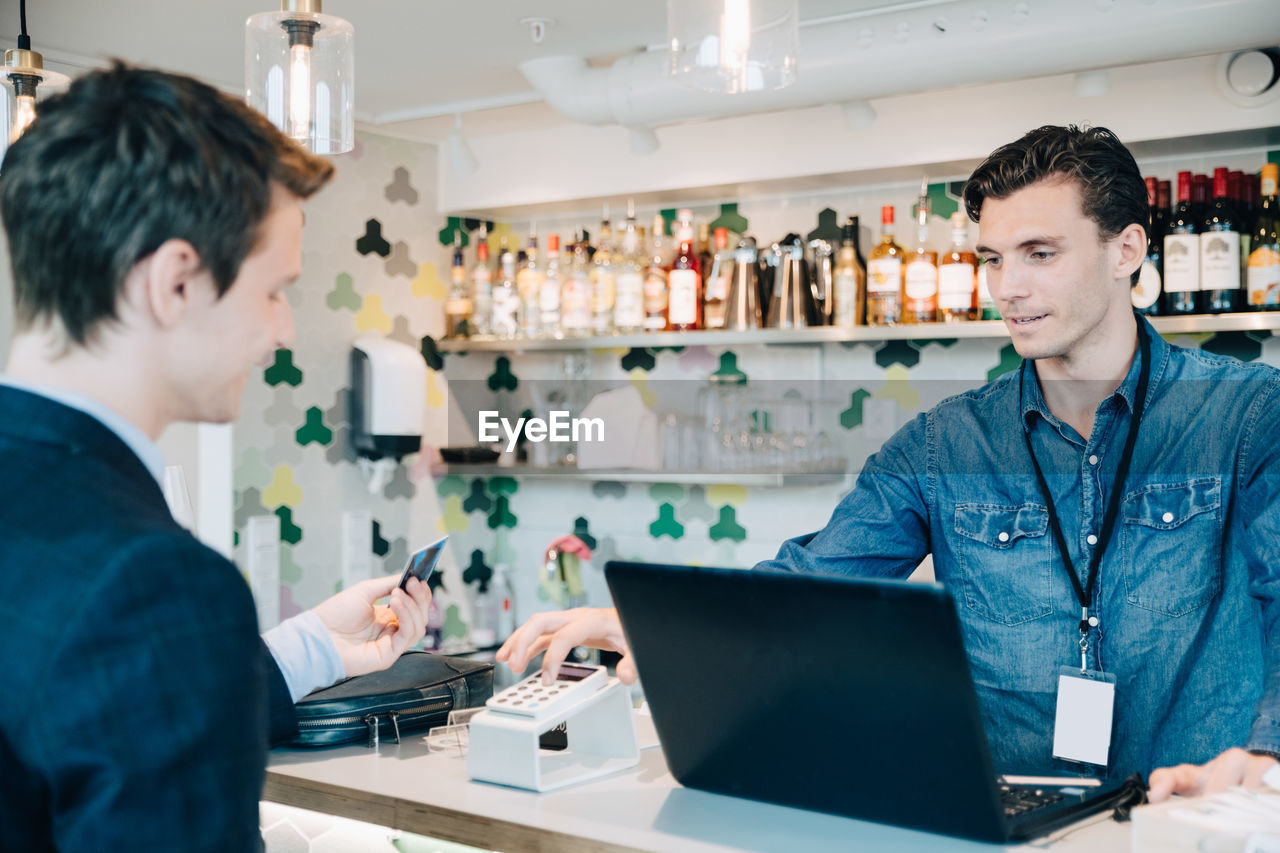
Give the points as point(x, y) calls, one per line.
point(408, 787)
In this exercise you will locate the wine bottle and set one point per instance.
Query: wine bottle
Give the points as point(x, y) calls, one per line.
point(1220, 251)
point(1182, 254)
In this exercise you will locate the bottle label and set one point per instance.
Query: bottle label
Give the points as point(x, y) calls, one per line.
point(921, 280)
point(628, 308)
point(549, 297)
point(458, 307)
point(884, 275)
point(1145, 293)
point(1181, 263)
point(1264, 276)
point(482, 282)
point(603, 291)
point(655, 300)
point(1219, 260)
point(956, 284)
point(575, 304)
point(846, 299)
point(506, 307)
point(529, 282)
point(683, 298)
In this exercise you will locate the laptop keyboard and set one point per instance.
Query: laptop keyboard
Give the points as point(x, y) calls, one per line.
point(1018, 800)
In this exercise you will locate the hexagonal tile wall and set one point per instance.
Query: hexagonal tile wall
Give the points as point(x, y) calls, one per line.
point(372, 241)
point(313, 429)
point(283, 370)
point(399, 263)
point(400, 189)
point(343, 296)
point(1009, 360)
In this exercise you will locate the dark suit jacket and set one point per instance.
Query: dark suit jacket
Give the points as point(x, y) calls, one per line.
point(137, 698)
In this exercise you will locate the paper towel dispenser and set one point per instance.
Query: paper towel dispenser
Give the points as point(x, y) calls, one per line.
point(388, 398)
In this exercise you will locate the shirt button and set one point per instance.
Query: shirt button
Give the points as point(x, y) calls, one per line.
point(1091, 539)
point(1167, 517)
point(1004, 537)
point(1093, 460)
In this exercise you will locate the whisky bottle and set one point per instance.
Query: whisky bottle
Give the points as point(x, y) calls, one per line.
point(884, 276)
point(458, 305)
point(850, 278)
point(684, 280)
point(958, 275)
point(920, 274)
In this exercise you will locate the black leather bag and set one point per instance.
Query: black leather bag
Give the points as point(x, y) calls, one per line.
point(414, 694)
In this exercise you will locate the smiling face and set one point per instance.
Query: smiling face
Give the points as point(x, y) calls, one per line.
point(1062, 288)
point(223, 340)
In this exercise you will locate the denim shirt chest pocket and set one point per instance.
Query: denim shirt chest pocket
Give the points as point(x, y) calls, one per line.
point(1171, 543)
point(1005, 557)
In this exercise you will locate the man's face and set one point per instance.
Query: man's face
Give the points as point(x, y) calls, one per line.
point(228, 337)
point(1049, 271)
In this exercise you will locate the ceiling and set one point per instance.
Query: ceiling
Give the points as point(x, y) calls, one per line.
point(418, 62)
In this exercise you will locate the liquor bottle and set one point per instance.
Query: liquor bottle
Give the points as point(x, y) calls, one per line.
point(655, 281)
point(506, 296)
point(1145, 295)
point(920, 272)
point(1263, 272)
point(987, 309)
point(1220, 252)
point(958, 275)
point(458, 305)
point(684, 280)
point(549, 292)
point(884, 276)
point(850, 278)
point(529, 278)
point(1181, 254)
point(718, 279)
point(482, 288)
point(604, 282)
point(706, 260)
point(628, 306)
point(575, 291)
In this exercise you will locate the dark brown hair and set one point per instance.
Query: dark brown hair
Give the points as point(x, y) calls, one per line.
point(1112, 192)
point(124, 160)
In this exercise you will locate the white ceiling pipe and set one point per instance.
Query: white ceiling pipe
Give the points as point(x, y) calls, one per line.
point(960, 43)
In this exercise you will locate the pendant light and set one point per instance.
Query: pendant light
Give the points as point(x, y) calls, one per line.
point(733, 46)
point(300, 72)
point(24, 74)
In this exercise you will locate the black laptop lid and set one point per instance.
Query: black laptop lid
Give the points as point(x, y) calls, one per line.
point(849, 696)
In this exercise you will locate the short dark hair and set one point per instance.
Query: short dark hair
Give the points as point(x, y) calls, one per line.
point(124, 160)
point(1112, 191)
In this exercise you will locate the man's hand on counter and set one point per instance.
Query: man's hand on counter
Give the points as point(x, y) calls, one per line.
point(1230, 769)
point(558, 631)
point(370, 637)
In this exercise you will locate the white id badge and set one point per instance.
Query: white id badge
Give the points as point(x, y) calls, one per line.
point(1082, 725)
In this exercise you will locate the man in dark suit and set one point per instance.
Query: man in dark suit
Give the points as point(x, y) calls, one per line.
point(154, 225)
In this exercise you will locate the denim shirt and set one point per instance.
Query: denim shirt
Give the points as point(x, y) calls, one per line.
point(1188, 589)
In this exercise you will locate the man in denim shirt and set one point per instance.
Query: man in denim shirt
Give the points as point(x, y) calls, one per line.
point(1184, 604)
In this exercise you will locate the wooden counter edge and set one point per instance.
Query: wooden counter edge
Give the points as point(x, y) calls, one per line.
point(412, 816)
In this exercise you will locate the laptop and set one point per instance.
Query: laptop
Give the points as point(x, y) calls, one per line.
point(840, 695)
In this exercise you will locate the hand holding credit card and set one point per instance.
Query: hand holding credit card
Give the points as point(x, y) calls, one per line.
point(423, 562)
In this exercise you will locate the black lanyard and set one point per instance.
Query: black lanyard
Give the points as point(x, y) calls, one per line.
point(1084, 592)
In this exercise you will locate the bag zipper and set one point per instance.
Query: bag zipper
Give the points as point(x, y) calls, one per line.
point(371, 720)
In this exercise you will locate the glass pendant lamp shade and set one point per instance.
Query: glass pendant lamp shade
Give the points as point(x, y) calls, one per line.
point(26, 82)
point(733, 45)
point(299, 71)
